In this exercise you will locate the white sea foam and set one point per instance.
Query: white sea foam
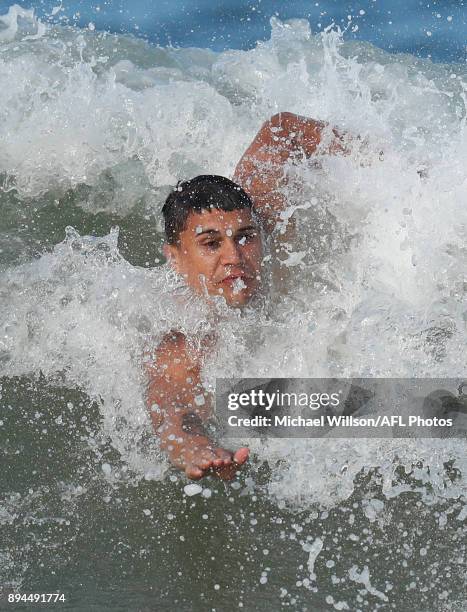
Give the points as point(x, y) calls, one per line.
point(20, 23)
point(382, 258)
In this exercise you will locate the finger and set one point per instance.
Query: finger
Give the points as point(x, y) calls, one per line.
point(241, 455)
point(224, 456)
point(205, 459)
point(228, 472)
point(193, 472)
point(204, 464)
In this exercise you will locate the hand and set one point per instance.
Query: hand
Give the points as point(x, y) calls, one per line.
point(203, 460)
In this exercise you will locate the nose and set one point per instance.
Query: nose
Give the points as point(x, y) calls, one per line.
point(231, 253)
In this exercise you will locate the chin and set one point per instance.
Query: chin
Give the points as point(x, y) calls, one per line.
point(237, 301)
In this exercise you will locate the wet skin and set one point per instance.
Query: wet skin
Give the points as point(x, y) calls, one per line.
point(219, 253)
point(174, 393)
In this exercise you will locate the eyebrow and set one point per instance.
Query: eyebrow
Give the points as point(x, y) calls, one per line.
point(240, 229)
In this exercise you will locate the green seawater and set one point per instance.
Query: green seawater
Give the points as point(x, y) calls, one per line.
point(75, 520)
point(32, 226)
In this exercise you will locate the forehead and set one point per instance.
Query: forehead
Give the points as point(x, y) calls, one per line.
point(217, 220)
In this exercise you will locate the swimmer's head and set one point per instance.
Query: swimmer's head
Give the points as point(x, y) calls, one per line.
point(204, 192)
point(213, 238)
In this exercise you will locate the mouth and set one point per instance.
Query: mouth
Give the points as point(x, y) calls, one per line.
point(235, 279)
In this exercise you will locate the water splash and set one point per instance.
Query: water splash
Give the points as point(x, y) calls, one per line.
point(20, 24)
point(377, 270)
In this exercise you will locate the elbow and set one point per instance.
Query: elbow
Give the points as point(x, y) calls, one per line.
point(280, 120)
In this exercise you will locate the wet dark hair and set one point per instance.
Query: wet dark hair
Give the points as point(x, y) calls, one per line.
point(200, 193)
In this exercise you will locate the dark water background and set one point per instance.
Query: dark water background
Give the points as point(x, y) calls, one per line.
point(123, 544)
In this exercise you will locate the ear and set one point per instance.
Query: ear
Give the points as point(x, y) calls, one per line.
point(172, 255)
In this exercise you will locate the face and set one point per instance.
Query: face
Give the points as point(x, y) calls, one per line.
point(220, 254)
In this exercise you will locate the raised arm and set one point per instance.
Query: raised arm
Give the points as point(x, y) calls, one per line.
point(179, 406)
point(284, 137)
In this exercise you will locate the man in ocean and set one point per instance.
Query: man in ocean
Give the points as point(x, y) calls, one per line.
point(213, 240)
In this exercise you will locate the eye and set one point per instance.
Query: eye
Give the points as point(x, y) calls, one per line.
point(211, 244)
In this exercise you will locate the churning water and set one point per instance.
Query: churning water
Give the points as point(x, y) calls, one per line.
point(95, 128)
